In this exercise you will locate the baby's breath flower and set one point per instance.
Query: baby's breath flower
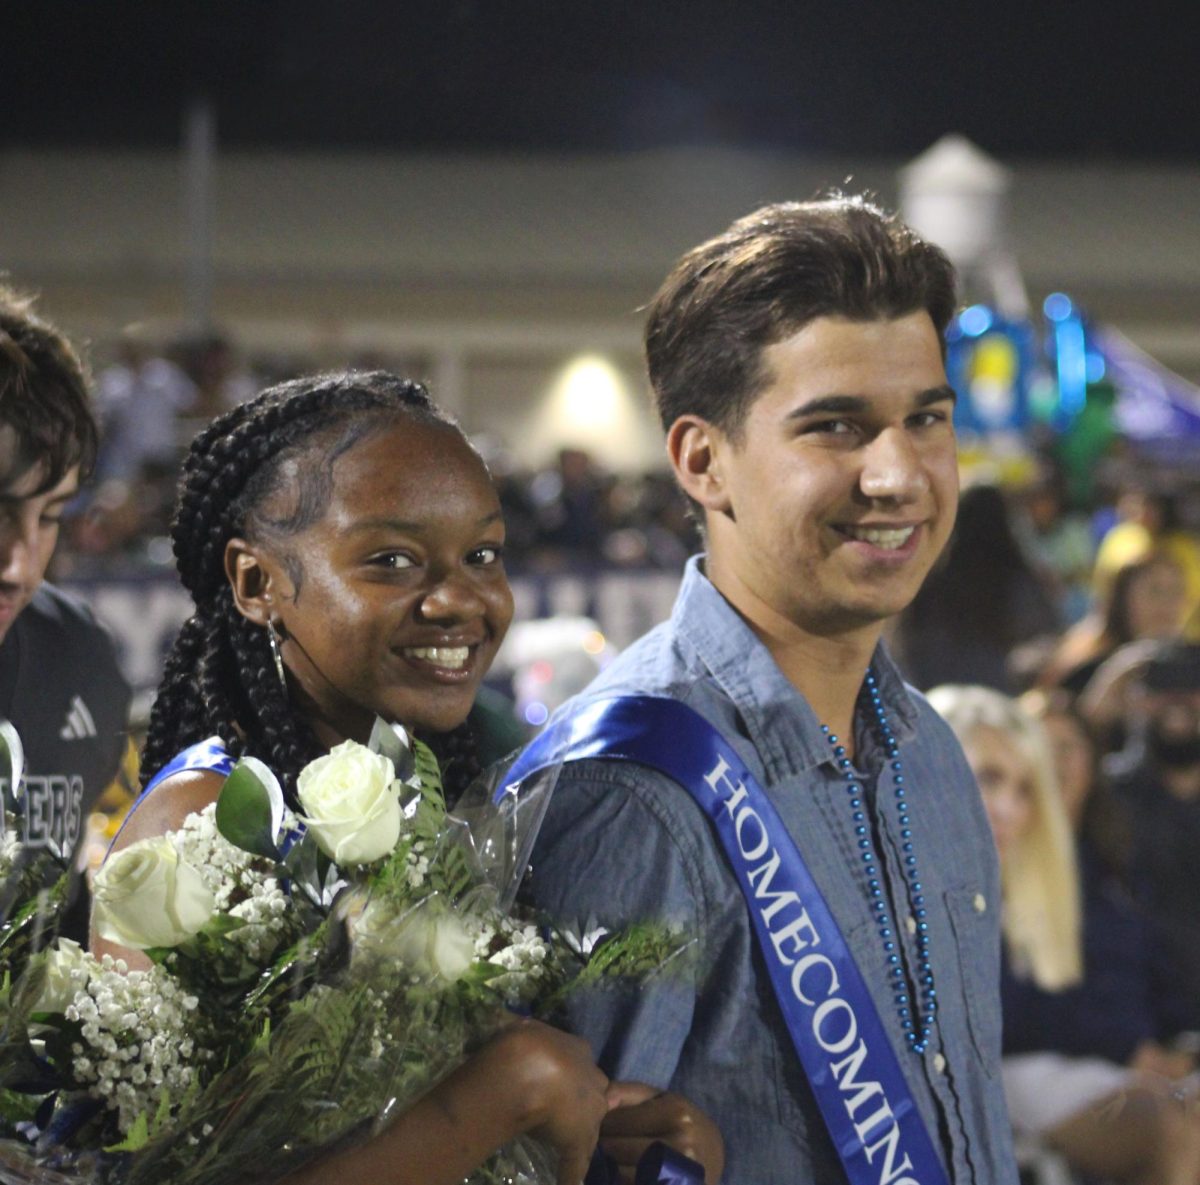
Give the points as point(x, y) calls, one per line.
point(136, 1041)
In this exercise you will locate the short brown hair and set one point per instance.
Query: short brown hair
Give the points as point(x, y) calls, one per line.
point(763, 280)
point(43, 394)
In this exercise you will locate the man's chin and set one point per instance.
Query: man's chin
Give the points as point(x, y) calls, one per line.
point(873, 613)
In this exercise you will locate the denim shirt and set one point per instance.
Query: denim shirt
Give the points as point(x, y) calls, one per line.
point(623, 843)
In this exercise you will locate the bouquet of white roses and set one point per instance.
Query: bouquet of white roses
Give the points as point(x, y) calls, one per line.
point(311, 975)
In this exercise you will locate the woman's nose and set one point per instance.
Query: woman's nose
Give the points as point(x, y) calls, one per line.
point(452, 598)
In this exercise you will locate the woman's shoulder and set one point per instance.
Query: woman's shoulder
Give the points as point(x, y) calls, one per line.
point(169, 804)
point(185, 785)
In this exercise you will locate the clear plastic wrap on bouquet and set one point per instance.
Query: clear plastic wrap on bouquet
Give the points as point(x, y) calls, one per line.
point(321, 999)
point(501, 830)
point(20, 1165)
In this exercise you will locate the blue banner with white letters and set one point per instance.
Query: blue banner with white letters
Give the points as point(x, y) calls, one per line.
point(837, 1033)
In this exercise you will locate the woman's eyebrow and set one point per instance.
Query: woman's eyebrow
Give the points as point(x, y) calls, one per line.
point(405, 526)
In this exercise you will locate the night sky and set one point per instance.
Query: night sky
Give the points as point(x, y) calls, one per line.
point(1087, 81)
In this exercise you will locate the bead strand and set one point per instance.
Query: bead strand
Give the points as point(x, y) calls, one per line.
point(916, 1016)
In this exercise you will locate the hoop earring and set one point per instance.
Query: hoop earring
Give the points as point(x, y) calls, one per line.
point(276, 654)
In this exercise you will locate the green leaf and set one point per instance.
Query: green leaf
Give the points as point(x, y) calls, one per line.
point(250, 808)
point(164, 1111)
point(136, 1139)
point(221, 924)
point(427, 770)
point(18, 1106)
point(482, 972)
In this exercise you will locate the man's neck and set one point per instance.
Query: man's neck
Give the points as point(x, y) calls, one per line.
point(829, 673)
point(826, 668)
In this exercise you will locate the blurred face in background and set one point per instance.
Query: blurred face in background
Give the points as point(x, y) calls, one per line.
point(1173, 727)
point(1156, 601)
point(1005, 777)
point(1138, 506)
point(1074, 762)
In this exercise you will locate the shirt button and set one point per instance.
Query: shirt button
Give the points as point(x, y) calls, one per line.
point(980, 903)
point(939, 1063)
point(910, 924)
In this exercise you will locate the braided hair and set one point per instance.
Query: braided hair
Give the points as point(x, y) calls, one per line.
point(220, 676)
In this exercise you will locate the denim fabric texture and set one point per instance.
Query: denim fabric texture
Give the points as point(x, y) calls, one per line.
point(623, 843)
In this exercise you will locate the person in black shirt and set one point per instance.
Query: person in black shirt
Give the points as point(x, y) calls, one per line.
point(1158, 776)
point(60, 686)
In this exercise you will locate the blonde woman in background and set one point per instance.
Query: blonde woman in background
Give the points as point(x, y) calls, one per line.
point(1065, 988)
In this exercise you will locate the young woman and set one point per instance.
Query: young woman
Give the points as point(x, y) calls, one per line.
point(1132, 989)
point(1082, 1069)
point(1145, 599)
point(343, 545)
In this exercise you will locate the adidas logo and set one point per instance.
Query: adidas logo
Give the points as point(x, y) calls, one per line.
point(79, 725)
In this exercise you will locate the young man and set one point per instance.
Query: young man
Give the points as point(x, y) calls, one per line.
point(60, 686)
point(798, 368)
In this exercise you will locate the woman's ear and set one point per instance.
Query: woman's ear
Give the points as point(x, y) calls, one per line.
point(695, 448)
point(257, 580)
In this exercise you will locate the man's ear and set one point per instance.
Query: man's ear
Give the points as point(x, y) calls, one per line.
point(257, 581)
point(696, 449)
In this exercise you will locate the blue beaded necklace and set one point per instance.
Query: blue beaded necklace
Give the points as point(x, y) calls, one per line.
point(916, 1017)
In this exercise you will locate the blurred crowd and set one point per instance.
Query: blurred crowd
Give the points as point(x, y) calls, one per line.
point(571, 515)
point(1067, 660)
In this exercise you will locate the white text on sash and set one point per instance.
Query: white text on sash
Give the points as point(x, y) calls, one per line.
point(814, 983)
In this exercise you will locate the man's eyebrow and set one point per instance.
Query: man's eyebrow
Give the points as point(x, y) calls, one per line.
point(937, 395)
point(857, 404)
point(830, 405)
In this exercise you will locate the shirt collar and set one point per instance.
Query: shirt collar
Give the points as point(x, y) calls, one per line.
point(777, 718)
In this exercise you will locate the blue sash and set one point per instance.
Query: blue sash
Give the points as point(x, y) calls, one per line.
point(841, 1042)
point(658, 1165)
point(209, 754)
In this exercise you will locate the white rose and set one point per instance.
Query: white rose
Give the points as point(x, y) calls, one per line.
point(352, 800)
point(146, 896)
point(59, 989)
point(430, 940)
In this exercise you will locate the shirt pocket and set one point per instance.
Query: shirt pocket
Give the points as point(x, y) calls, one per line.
point(973, 921)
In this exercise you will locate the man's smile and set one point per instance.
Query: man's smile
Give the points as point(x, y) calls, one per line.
point(888, 538)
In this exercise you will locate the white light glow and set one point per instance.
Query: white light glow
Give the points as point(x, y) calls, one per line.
point(589, 406)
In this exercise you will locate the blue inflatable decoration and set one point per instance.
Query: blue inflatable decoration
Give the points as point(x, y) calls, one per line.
point(991, 363)
point(997, 366)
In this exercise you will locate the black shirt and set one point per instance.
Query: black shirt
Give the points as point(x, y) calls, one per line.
point(62, 690)
point(1166, 875)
